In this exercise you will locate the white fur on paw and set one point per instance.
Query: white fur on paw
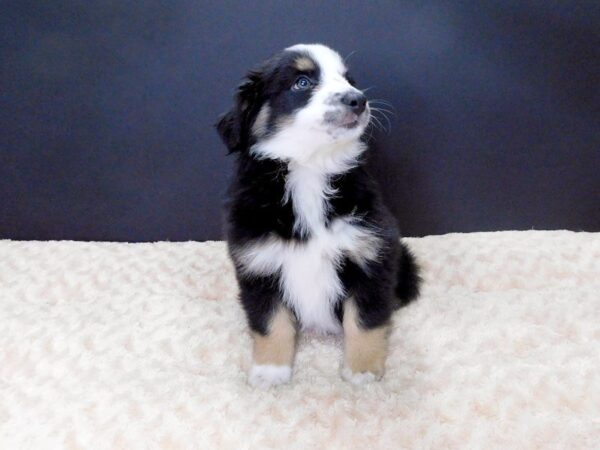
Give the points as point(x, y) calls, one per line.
point(359, 377)
point(266, 375)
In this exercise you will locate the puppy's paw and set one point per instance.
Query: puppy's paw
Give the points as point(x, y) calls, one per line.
point(266, 375)
point(360, 377)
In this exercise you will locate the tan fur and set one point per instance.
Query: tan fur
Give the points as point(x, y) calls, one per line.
point(278, 346)
point(364, 350)
point(304, 64)
point(259, 127)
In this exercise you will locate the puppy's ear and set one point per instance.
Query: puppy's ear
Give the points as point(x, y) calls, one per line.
point(229, 130)
point(234, 126)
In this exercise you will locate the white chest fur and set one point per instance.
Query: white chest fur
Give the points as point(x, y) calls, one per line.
point(308, 270)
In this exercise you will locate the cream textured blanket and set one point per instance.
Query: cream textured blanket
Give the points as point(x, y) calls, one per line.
point(106, 345)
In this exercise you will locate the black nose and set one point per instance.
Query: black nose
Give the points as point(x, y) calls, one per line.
point(356, 101)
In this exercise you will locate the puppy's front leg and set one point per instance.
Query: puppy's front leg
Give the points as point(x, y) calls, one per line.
point(273, 352)
point(365, 350)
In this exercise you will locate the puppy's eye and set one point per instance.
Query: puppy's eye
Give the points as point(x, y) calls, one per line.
point(302, 83)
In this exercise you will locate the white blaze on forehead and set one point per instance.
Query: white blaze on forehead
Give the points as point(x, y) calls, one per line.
point(332, 82)
point(330, 62)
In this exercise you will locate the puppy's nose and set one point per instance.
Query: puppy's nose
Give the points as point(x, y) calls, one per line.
point(356, 101)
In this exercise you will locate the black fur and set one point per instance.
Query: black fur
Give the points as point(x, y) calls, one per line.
point(256, 207)
point(268, 84)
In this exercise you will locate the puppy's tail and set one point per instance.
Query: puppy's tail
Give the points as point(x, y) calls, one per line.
point(409, 280)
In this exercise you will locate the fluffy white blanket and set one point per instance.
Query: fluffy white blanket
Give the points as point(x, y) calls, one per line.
point(106, 345)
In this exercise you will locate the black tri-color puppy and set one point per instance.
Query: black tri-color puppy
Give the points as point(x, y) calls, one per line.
point(313, 246)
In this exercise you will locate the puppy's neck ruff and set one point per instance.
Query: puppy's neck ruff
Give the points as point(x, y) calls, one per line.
point(307, 182)
point(309, 190)
point(306, 152)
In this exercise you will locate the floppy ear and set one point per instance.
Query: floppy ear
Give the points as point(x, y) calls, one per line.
point(229, 130)
point(234, 126)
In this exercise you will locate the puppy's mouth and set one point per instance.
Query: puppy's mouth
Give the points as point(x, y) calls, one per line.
point(347, 119)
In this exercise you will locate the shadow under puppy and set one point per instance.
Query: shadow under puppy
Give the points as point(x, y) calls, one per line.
point(312, 243)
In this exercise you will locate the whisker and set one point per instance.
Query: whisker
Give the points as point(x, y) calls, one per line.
point(386, 119)
point(349, 55)
point(383, 114)
point(379, 123)
point(382, 110)
point(376, 123)
point(382, 102)
point(389, 122)
point(375, 108)
point(370, 129)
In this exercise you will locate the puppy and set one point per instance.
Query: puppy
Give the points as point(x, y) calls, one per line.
point(313, 246)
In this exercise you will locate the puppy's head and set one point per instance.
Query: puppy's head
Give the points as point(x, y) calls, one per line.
point(296, 105)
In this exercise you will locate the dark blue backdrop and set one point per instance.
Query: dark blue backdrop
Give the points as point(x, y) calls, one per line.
point(106, 110)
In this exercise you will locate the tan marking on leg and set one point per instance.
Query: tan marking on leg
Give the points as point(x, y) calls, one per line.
point(304, 63)
point(278, 346)
point(364, 350)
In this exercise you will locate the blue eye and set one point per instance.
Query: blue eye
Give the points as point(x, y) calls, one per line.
point(302, 83)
